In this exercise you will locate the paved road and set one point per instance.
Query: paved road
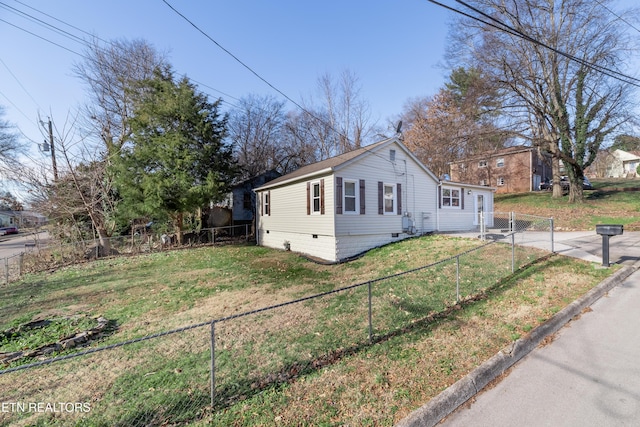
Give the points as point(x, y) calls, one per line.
point(14, 244)
point(590, 374)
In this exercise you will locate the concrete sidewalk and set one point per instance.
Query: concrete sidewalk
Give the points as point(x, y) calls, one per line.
point(588, 376)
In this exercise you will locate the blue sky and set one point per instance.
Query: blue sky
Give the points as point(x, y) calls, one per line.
point(394, 48)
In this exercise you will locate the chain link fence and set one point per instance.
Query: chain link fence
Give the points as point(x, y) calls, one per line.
point(184, 376)
point(47, 254)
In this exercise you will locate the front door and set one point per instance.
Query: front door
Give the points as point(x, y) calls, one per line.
point(479, 208)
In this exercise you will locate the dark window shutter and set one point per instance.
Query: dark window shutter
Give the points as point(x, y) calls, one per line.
point(269, 205)
point(380, 198)
point(308, 198)
point(338, 195)
point(462, 199)
point(439, 197)
point(322, 197)
point(399, 196)
point(362, 203)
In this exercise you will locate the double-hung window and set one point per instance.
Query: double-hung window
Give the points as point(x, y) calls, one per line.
point(315, 197)
point(350, 196)
point(500, 162)
point(389, 195)
point(451, 197)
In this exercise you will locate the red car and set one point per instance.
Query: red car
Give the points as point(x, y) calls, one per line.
point(12, 229)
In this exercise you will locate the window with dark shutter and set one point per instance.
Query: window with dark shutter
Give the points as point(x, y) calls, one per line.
point(399, 198)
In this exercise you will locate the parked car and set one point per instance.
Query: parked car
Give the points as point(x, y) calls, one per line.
point(586, 184)
point(12, 229)
point(564, 183)
point(546, 185)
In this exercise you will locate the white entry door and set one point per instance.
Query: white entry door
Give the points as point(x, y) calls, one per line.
point(479, 209)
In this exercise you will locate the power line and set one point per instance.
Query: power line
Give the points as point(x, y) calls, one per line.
point(45, 24)
point(232, 55)
point(607, 71)
point(313, 116)
point(87, 44)
point(618, 16)
point(20, 83)
point(509, 30)
point(42, 38)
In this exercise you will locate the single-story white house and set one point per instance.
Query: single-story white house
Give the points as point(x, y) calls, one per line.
point(622, 164)
point(343, 206)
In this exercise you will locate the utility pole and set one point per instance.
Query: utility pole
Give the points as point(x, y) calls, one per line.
point(53, 153)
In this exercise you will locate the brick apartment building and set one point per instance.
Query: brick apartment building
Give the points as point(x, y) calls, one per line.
point(517, 169)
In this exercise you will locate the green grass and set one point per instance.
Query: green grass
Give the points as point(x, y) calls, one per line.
point(603, 205)
point(310, 363)
point(20, 339)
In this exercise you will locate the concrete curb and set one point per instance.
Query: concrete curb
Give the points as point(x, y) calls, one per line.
point(458, 393)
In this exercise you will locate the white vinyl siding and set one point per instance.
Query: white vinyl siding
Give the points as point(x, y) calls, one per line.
point(418, 190)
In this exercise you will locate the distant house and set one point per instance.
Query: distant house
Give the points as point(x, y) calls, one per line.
point(622, 164)
point(243, 201)
point(239, 206)
point(343, 206)
point(515, 169)
point(31, 219)
point(9, 218)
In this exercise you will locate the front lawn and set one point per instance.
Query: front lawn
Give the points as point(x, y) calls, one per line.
point(420, 348)
point(612, 202)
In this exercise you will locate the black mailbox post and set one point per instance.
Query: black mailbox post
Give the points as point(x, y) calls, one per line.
point(606, 231)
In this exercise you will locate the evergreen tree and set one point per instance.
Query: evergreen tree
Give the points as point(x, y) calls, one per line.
point(176, 160)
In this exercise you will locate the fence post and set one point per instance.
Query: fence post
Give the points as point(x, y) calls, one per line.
point(458, 278)
point(246, 232)
point(213, 363)
point(370, 316)
point(513, 252)
point(551, 224)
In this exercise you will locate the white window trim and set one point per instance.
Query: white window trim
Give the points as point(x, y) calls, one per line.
point(459, 198)
point(500, 181)
point(482, 164)
point(393, 195)
point(356, 189)
point(313, 198)
point(266, 207)
point(500, 162)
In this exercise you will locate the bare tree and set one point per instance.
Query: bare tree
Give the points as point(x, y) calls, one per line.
point(111, 73)
point(340, 114)
point(10, 147)
point(561, 64)
point(255, 130)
